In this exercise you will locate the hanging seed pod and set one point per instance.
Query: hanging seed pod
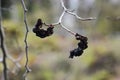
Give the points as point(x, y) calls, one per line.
point(50, 30)
point(38, 24)
point(82, 45)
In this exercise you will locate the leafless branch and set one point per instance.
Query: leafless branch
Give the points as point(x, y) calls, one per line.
point(65, 10)
point(4, 53)
point(3, 48)
point(79, 18)
point(15, 61)
point(67, 29)
point(25, 40)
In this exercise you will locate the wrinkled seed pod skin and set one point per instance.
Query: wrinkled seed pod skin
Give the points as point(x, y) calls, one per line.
point(80, 51)
point(41, 33)
point(71, 54)
point(35, 30)
point(44, 33)
point(80, 37)
point(76, 52)
point(82, 45)
point(50, 31)
point(39, 23)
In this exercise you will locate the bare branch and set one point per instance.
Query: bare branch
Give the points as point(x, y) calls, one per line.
point(67, 29)
point(4, 50)
point(60, 19)
point(74, 14)
point(24, 7)
point(3, 47)
point(25, 39)
point(78, 17)
point(65, 10)
point(15, 61)
point(62, 4)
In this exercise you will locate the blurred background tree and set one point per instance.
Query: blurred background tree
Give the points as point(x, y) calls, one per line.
point(48, 58)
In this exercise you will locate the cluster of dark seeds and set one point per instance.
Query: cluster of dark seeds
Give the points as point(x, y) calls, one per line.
point(82, 45)
point(41, 32)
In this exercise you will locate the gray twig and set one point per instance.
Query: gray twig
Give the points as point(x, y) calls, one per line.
point(65, 10)
point(4, 53)
point(25, 39)
point(3, 47)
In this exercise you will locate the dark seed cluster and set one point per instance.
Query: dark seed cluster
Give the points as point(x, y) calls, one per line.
point(41, 32)
point(82, 45)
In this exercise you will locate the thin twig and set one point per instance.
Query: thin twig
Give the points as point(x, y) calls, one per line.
point(73, 33)
point(25, 40)
point(15, 61)
point(4, 53)
point(79, 18)
point(4, 50)
point(74, 14)
point(65, 10)
point(3, 47)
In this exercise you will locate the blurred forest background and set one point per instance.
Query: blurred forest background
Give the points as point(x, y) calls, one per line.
point(48, 58)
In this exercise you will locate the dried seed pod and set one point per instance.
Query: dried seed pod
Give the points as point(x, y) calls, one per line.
point(82, 45)
point(41, 33)
point(38, 24)
point(76, 52)
point(71, 54)
point(50, 31)
point(35, 30)
point(80, 37)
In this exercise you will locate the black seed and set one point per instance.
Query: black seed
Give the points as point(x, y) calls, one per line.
point(50, 31)
point(39, 23)
point(71, 54)
point(82, 45)
point(78, 36)
point(41, 33)
point(80, 51)
point(35, 30)
point(76, 52)
point(84, 39)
